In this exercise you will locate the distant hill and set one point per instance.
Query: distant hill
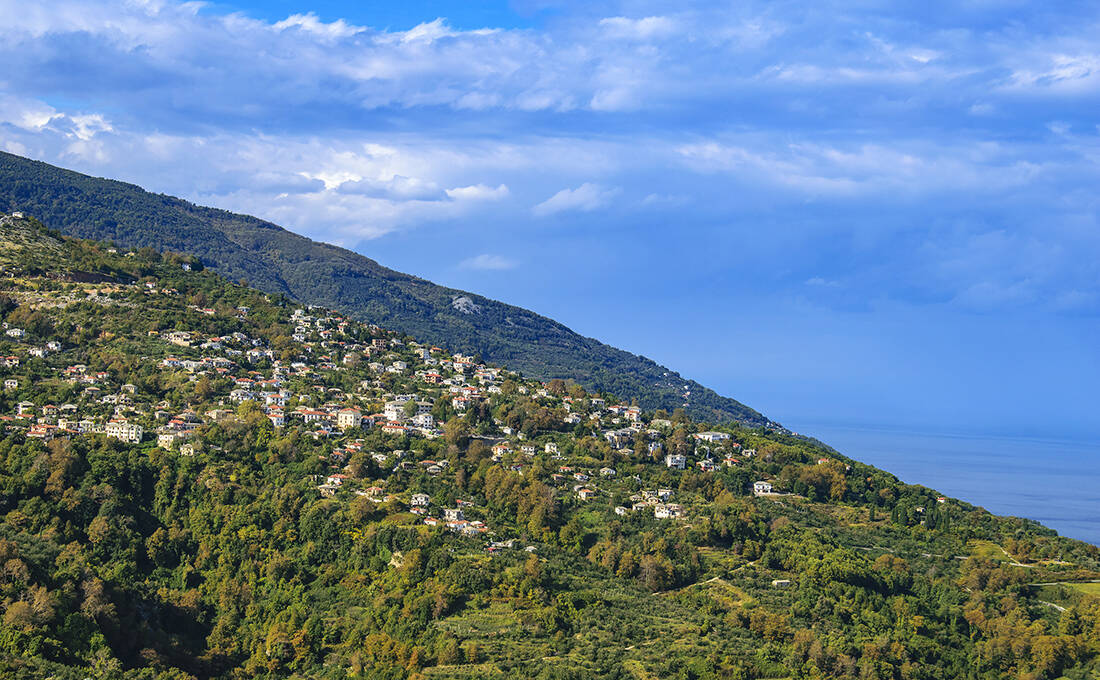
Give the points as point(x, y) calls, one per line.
point(276, 260)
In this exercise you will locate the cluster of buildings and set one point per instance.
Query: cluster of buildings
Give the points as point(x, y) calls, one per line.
point(656, 502)
point(337, 380)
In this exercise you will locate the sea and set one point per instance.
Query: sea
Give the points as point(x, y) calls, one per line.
point(1051, 480)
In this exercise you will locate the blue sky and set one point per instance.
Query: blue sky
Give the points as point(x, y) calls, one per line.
point(399, 16)
point(857, 213)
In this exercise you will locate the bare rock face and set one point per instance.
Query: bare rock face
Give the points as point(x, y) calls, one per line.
point(464, 304)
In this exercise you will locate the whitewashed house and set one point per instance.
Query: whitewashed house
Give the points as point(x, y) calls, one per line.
point(675, 461)
point(130, 433)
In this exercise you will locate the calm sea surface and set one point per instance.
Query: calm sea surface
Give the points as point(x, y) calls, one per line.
point(1054, 482)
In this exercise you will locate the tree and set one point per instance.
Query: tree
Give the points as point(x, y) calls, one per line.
point(204, 388)
point(456, 432)
point(20, 615)
point(655, 572)
point(448, 652)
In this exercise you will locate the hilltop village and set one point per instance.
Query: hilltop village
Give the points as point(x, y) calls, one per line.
point(401, 389)
point(201, 480)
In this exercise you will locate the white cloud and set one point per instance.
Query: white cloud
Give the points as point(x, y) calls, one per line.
point(735, 115)
point(25, 113)
point(309, 23)
point(86, 126)
point(479, 192)
point(1061, 73)
point(657, 199)
point(638, 29)
point(585, 198)
point(15, 147)
point(1058, 127)
point(923, 56)
point(396, 188)
point(486, 261)
point(904, 169)
point(427, 32)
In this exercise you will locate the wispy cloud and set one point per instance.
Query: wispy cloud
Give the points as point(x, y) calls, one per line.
point(585, 198)
point(485, 261)
point(645, 28)
point(310, 24)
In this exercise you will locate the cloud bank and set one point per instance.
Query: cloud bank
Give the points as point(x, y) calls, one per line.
point(947, 160)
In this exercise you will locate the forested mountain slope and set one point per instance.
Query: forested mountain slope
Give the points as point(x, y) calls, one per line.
point(275, 260)
point(201, 480)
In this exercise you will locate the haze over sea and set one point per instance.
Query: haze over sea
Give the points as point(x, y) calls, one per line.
point(1054, 481)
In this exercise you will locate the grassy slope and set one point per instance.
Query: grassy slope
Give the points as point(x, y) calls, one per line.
point(276, 260)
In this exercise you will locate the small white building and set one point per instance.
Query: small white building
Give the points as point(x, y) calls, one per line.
point(668, 511)
point(166, 439)
point(348, 417)
point(394, 410)
point(675, 461)
point(712, 436)
point(130, 433)
point(760, 488)
point(240, 395)
point(420, 500)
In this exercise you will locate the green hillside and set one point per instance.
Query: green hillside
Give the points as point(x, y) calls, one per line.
point(278, 261)
point(202, 480)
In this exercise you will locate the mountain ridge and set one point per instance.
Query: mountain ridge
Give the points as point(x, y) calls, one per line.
point(277, 260)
